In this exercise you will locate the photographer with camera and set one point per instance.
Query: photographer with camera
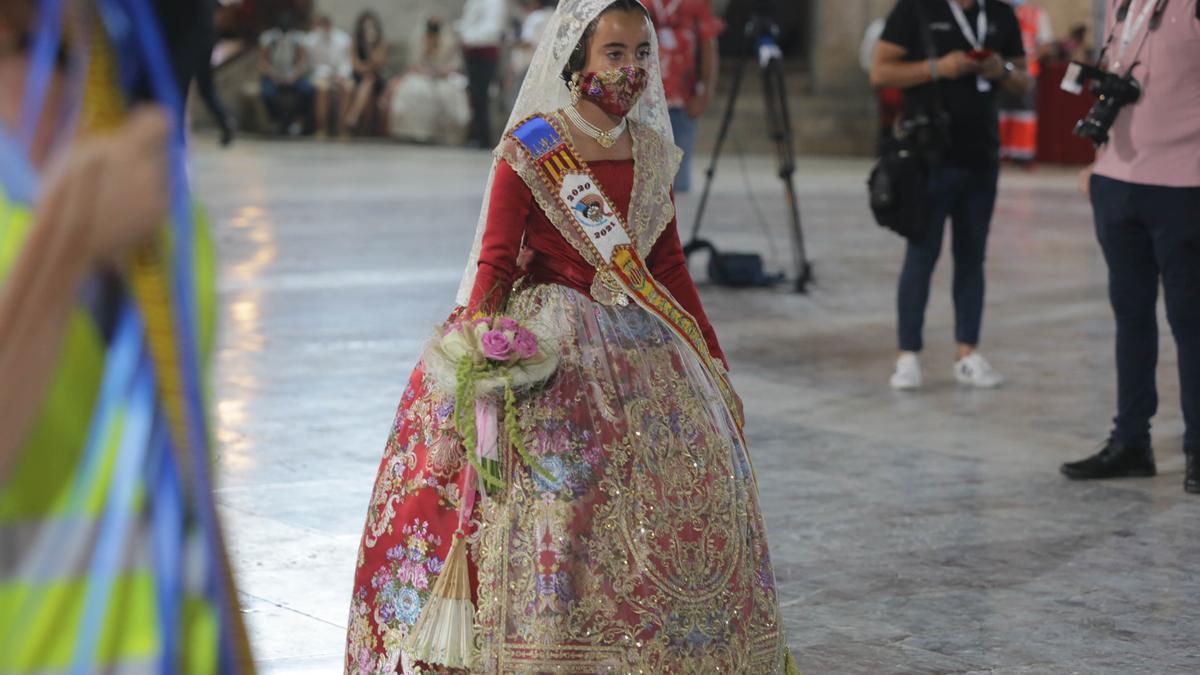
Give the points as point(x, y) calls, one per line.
point(951, 57)
point(1145, 193)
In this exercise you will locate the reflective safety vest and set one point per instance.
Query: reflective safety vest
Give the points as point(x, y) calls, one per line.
point(50, 507)
point(1033, 20)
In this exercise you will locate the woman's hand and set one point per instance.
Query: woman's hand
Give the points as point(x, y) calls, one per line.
point(108, 195)
point(992, 68)
point(111, 192)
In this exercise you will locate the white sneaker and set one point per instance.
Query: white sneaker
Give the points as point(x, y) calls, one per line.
point(975, 371)
point(908, 372)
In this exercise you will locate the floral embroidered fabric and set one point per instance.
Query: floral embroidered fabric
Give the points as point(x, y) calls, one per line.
point(645, 552)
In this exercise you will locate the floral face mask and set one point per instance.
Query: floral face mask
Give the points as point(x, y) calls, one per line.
point(615, 91)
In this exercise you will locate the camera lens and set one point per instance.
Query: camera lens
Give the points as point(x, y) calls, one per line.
point(1113, 93)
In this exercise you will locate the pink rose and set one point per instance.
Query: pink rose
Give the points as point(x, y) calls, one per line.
point(509, 324)
point(525, 344)
point(496, 346)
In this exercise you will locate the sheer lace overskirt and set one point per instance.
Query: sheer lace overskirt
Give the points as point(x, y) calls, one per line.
point(647, 550)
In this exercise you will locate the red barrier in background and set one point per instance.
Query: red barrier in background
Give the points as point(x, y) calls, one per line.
point(1058, 112)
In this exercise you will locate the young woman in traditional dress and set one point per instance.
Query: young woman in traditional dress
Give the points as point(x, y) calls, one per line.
point(633, 541)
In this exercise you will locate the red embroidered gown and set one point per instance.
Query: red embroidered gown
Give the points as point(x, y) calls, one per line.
point(647, 550)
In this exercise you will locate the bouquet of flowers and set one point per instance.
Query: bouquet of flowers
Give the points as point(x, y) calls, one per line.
point(484, 361)
point(481, 361)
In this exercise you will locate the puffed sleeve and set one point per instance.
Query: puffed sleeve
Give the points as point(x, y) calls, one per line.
point(507, 214)
point(669, 266)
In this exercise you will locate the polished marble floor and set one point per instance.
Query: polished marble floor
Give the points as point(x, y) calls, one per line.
point(917, 533)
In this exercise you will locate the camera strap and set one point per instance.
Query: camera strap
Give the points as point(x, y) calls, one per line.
point(1150, 12)
point(930, 52)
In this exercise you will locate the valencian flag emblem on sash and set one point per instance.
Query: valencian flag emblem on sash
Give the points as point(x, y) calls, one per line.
point(618, 265)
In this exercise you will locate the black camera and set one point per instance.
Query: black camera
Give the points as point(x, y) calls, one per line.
point(1113, 92)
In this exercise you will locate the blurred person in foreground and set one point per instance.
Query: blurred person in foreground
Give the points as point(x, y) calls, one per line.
point(428, 103)
point(687, 37)
point(1145, 193)
point(977, 54)
point(285, 69)
point(329, 48)
point(107, 561)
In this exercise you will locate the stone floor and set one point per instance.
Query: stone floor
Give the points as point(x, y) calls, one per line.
point(919, 533)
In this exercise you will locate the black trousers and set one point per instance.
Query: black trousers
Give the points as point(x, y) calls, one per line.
point(481, 67)
point(188, 29)
point(1151, 234)
point(968, 198)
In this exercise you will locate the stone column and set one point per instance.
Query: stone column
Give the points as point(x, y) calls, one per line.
point(837, 29)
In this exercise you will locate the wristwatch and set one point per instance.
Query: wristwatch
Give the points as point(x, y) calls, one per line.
point(1009, 69)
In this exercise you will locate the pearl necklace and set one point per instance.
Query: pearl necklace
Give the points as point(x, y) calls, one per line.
point(606, 139)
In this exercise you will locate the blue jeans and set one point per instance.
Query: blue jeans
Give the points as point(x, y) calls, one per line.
point(1151, 234)
point(967, 197)
point(684, 128)
point(286, 102)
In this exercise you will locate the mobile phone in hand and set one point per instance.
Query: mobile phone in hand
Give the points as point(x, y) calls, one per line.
point(980, 54)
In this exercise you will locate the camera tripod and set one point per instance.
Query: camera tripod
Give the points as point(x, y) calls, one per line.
point(759, 42)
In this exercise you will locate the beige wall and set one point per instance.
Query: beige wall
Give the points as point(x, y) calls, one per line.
point(400, 17)
point(1067, 13)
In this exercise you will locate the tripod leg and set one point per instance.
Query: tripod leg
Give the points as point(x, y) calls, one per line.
point(711, 172)
point(779, 128)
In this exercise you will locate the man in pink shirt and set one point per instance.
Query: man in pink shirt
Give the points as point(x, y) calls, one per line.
point(1145, 192)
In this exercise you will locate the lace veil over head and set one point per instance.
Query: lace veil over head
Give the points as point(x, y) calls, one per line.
point(545, 92)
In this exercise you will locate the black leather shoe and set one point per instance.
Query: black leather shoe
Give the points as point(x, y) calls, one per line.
point(1115, 460)
point(1191, 477)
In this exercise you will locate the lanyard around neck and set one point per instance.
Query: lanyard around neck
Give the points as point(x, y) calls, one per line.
point(979, 37)
point(976, 39)
point(1131, 29)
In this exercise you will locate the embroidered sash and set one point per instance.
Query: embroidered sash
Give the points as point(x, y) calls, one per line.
point(587, 218)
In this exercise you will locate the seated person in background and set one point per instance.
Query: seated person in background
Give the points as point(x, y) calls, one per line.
point(428, 103)
point(329, 49)
point(369, 58)
point(1075, 46)
point(284, 65)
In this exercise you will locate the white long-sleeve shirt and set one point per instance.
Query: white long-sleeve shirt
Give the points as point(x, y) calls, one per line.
point(482, 23)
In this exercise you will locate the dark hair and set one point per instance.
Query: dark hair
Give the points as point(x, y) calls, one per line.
point(579, 55)
point(360, 32)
